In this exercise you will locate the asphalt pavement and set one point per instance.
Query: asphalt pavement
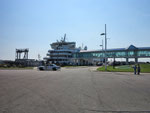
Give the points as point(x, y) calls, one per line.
point(73, 90)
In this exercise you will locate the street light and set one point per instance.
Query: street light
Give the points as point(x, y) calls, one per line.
point(105, 47)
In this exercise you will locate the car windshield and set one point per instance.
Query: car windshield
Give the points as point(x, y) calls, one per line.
point(53, 64)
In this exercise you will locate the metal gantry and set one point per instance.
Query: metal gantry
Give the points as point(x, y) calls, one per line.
point(19, 53)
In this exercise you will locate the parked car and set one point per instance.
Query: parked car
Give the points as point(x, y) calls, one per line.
point(49, 67)
point(99, 64)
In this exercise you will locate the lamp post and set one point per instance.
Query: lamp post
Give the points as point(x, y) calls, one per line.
point(105, 47)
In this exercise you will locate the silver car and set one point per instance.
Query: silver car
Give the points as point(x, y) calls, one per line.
point(49, 67)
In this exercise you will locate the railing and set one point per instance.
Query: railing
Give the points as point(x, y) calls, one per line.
point(59, 58)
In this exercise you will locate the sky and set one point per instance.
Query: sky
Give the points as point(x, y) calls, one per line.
point(35, 24)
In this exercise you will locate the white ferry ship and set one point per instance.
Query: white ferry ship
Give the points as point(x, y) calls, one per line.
point(62, 52)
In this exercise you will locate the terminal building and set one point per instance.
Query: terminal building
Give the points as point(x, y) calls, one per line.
point(88, 57)
point(66, 53)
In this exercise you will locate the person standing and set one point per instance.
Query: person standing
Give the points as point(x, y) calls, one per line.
point(138, 69)
point(134, 69)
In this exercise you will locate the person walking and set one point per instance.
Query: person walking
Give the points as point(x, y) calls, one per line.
point(134, 69)
point(138, 69)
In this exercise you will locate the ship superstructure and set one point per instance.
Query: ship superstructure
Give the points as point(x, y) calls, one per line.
point(62, 52)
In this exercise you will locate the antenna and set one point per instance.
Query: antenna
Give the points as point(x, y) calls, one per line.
point(82, 45)
point(64, 37)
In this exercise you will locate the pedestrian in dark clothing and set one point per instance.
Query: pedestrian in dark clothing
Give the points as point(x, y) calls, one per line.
point(134, 69)
point(138, 69)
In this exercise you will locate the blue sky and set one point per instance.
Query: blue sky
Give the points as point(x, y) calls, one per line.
point(34, 24)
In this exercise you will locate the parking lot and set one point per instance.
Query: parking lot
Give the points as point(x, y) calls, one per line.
point(73, 90)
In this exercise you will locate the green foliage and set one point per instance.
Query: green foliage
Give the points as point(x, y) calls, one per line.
point(145, 68)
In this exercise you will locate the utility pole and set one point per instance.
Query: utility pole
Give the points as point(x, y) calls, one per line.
point(105, 47)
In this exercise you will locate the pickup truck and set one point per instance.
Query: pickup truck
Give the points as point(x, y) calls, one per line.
point(49, 67)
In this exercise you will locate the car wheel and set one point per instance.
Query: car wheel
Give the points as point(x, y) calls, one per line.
point(54, 69)
point(41, 69)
